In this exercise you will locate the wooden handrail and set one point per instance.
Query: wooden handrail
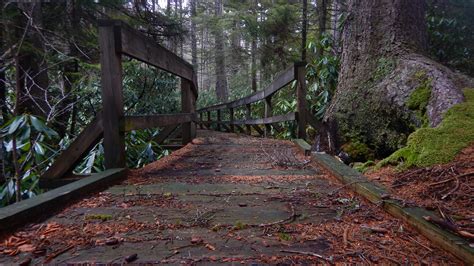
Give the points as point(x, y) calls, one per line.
point(282, 79)
point(294, 73)
point(258, 121)
point(151, 121)
point(133, 43)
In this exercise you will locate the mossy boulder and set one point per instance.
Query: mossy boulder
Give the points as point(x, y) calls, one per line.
point(358, 151)
point(430, 146)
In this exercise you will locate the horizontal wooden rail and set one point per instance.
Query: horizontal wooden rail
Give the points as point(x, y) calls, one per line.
point(70, 157)
point(282, 79)
point(133, 43)
point(268, 120)
point(259, 121)
point(152, 121)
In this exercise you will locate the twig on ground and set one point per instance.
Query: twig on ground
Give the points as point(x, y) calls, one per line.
point(450, 226)
point(451, 179)
point(414, 240)
point(456, 187)
point(344, 236)
point(308, 254)
point(57, 253)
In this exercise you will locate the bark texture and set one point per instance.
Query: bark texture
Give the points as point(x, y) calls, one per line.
point(221, 79)
point(383, 65)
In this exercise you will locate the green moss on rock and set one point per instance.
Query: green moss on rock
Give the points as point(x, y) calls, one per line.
point(363, 167)
point(420, 97)
point(358, 151)
point(430, 146)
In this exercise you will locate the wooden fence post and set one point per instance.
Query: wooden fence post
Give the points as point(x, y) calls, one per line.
point(301, 98)
point(231, 114)
point(209, 120)
point(248, 116)
point(112, 98)
point(187, 106)
point(219, 120)
point(201, 119)
point(268, 113)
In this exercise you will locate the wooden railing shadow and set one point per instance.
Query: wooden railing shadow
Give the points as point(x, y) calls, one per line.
point(296, 73)
point(117, 39)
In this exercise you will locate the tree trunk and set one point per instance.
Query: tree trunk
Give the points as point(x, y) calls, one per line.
point(3, 87)
point(383, 62)
point(192, 4)
point(254, 64)
point(303, 30)
point(70, 72)
point(253, 49)
point(322, 19)
point(221, 79)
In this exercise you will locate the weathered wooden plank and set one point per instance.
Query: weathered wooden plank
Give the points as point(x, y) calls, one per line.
point(27, 210)
point(165, 133)
point(268, 113)
point(150, 121)
point(187, 106)
point(259, 121)
point(282, 79)
point(412, 215)
point(303, 146)
point(267, 120)
point(112, 98)
point(218, 120)
point(301, 105)
point(258, 129)
point(201, 118)
point(231, 115)
point(137, 45)
point(248, 116)
point(69, 158)
point(240, 128)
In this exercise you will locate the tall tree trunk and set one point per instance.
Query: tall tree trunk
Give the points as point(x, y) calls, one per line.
point(3, 87)
point(236, 58)
point(303, 30)
point(221, 79)
point(254, 63)
point(322, 19)
point(192, 4)
point(181, 40)
point(70, 72)
point(253, 49)
point(383, 63)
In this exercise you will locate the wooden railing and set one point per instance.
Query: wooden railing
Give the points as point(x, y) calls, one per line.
point(294, 73)
point(117, 39)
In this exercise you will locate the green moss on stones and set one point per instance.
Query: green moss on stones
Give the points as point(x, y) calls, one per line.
point(357, 150)
point(430, 146)
point(420, 97)
point(364, 167)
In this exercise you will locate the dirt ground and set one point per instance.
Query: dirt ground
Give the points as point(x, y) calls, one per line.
point(225, 198)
